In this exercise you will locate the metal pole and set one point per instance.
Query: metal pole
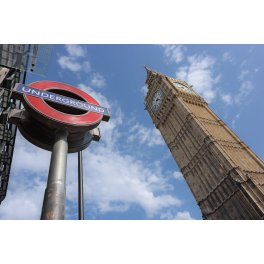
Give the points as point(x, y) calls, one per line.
point(80, 186)
point(54, 202)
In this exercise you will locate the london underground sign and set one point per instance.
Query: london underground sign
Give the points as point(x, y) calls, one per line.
point(61, 99)
point(53, 103)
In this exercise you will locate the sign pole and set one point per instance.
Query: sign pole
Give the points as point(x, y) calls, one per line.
point(80, 186)
point(54, 202)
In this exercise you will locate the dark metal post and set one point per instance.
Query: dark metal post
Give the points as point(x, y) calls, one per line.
point(80, 186)
point(54, 202)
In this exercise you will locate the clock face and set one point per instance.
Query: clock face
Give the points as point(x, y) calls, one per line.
point(182, 87)
point(156, 100)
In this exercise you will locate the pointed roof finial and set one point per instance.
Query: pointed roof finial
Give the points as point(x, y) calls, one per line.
point(147, 69)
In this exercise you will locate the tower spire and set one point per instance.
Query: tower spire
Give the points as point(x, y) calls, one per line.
point(147, 69)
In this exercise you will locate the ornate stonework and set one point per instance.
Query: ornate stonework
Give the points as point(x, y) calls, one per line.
point(225, 176)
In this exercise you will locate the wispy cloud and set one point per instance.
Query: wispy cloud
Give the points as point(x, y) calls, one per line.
point(144, 89)
point(242, 75)
point(69, 63)
point(149, 136)
point(86, 66)
point(125, 181)
point(226, 98)
point(177, 175)
point(244, 62)
point(97, 80)
point(24, 203)
point(72, 61)
point(179, 216)
point(28, 182)
point(199, 73)
point(234, 121)
point(218, 78)
point(75, 50)
point(245, 89)
point(227, 57)
point(183, 216)
point(174, 53)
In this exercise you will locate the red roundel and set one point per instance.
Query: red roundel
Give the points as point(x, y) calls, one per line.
point(65, 121)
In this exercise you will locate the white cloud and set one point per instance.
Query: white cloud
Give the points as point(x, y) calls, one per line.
point(150, 136)
point(227, 57)
point(256, 70)
point(27, 182)
point(144, 89)
point(28, 157)
point(242, 75)
point(60, 73)
point(177, 175)
point(97, 80)
point(119, 181)
point(183, 216)
point(245, 89)
point(243, 63)
point(199, 73)
point(227, 98)
point(69, 63)
point(179, 216)
point(233, 123)
point(23, 204)
point(173, 52)
point(105, 207)
point(182, 73)
point(217, 79)
point(168, 155)
point(86, 66)
point(75, 50)
point(72, 61)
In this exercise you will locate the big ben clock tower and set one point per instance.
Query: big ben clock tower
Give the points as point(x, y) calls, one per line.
point(225, 176)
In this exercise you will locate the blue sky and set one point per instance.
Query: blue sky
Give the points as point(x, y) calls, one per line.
point(130, 173)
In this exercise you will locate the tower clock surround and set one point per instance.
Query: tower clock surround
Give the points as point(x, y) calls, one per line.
point(224, 175)
point(182, 87)
point(157, 100)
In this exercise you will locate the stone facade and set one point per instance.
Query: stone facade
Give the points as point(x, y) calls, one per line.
point(225, 176)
